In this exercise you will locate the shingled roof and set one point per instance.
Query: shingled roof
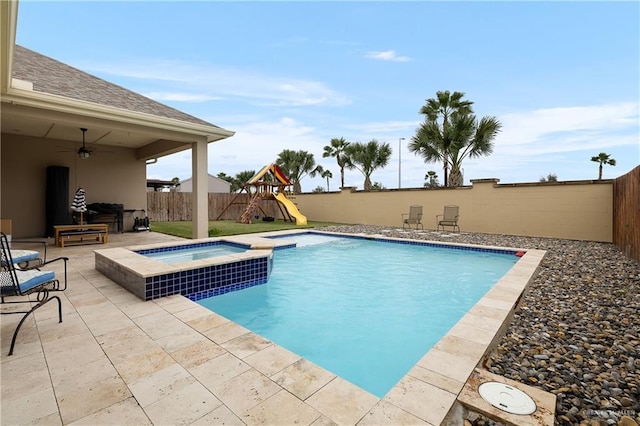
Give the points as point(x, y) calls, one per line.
point(54, 77)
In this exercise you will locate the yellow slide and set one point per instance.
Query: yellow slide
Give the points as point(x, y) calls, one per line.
point(292, 209)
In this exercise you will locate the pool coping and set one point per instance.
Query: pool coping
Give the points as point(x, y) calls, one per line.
point(431, 388)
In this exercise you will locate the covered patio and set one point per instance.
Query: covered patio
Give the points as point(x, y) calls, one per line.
point(46, 103)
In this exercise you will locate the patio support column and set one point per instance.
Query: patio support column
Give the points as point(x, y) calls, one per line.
point(200, 206)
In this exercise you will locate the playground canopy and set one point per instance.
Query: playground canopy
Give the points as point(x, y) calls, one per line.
point(274, 170)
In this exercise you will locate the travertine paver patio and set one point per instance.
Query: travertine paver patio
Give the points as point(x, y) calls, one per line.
point(116, 359)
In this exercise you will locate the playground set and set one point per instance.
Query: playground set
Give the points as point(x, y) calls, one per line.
point(269, 184)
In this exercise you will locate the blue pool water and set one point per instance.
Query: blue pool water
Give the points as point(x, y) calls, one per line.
point(365, 310)
point(194, 252)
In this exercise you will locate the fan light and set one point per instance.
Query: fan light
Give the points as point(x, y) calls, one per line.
point(83, 153)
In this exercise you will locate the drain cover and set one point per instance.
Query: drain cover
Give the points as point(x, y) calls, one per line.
point(507, 398)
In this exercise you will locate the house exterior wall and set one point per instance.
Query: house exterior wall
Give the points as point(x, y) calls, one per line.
point(214, 185)
point(581, 210)
point(111, 176)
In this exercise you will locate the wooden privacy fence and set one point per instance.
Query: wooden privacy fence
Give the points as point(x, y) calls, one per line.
point(176, 206)
point(626, 213)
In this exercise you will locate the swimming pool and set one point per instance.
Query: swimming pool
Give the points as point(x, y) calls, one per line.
point(366, 310)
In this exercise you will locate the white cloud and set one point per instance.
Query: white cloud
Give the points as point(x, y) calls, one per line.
point(211, 82)
point(387, 55)
point(569, 129)
point(557, 140)
point(254, 145)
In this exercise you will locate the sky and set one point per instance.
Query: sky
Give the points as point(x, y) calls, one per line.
point(563, 78)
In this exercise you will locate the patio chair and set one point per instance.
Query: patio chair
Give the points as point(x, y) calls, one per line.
point(449, 218)
point(414, 217)
point(26, 258)
point(16, 282)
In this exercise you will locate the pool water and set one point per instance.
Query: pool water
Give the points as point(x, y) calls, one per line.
point(187, 254)
point(365, 310)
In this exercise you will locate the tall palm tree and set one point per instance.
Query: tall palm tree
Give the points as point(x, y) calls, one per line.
point(337, 149)
point(603, 158)
point(328, 175)
point(296, 165)
point(470, 138)
point(367, 158)
point(433, 138)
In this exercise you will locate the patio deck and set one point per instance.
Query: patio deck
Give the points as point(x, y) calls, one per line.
point(116, 359)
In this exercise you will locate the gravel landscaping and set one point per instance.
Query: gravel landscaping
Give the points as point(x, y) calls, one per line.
point(577, 332)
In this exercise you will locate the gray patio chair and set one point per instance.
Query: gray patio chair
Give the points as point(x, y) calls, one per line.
point(16, 282)
point(414, 217)
point(449, 218)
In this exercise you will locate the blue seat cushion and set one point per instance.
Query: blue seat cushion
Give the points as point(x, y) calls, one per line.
point(33, 278)
point(20, 256)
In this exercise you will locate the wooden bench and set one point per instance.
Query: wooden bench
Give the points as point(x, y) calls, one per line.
point(95, 232)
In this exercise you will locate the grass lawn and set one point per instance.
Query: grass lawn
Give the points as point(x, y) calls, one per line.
point(220, 228)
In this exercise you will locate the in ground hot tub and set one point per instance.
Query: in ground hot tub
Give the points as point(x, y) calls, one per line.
point(232, 266)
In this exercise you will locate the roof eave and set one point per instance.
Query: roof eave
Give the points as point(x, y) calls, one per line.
point(76, 107)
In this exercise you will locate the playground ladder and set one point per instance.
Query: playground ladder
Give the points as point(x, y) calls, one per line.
point(250, 210)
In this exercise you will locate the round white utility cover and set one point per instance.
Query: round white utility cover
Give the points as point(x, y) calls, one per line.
point(507, 398)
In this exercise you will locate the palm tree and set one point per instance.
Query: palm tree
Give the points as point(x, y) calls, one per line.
point(450, 133)
point(328, 175)
point(367, 158)
point(470, 138)
point(337, 149)
point(225, 177)
point(551, 177)
point(433, 138)
point(431, 179)
point(296, 165)
point(603, 158)
point(238, 181)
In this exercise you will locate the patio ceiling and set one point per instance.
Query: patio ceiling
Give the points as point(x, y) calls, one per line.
point(150, 140)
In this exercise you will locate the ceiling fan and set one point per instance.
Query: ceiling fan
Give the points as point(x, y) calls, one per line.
point(84, 152)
